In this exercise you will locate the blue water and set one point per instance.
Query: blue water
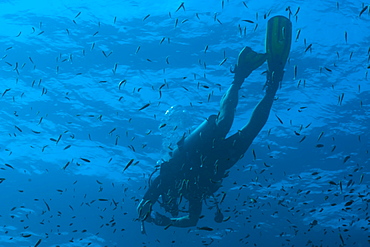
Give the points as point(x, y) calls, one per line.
point(62, 62)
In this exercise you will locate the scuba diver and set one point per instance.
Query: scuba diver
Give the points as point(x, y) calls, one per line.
point(199, 162)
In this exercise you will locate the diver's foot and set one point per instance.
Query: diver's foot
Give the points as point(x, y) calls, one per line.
point(248, 60)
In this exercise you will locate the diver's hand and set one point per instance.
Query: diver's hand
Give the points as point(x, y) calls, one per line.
point(160, 219)
point(144, 209)
point(248, 60)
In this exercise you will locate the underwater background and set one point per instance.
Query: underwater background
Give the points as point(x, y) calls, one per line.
point(88, 87)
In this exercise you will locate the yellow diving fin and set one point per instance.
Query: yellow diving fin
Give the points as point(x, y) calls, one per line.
point(278, 42)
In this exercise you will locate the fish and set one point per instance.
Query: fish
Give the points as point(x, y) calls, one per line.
point(223, 61)
point(346, 159)
point(9, 166)
point(363, 10)
point(86, 160)
point(321, 134)
point(77, 15)
point(120, 84)
point(205, 228)
point(254, 154)
point(281, 121)
point(182, 5)
point(38, 242)
point(308, 47)
point(145, 106)
point(66, 165)
point(361, 178)
point(298, 33)
point(249, 21)
point(128, 164)
point(146, 17)
point(47, 205)
point(295, 72)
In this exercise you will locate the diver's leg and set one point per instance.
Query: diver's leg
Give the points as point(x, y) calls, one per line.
point(226, 114)
point(248, 61)
point(239, 142)
point(260, 114)
point(278, 42)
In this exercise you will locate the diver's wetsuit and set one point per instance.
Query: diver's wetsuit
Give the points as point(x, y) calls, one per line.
point(199, 163)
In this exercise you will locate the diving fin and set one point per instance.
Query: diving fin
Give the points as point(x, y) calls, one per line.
point(278, 42)
point(248, 60)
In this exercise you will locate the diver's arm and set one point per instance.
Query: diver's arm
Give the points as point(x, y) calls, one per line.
point(195, 209)
point(151, 196)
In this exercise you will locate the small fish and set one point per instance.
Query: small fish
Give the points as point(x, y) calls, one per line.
point(38, 242)
point(9, 166)
point(205, 228)
point(78, 14)
point(120, 84)
point(249, 21)
point(295, 72)
point(66, 165)
point(145, 106)
point(361, 178)
point(110, 132)
point(321, 134)
point(298, 33)
point(308, 47)
point(223, 61)
point(146, 17)
point(346, 159)
point(206, 49)
point(254, 154)
point(67, 147)
point(181, 6)
point(279, 119)
point(128, 164)
point(47, 205)
point(363, 10)
point(86, 160)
